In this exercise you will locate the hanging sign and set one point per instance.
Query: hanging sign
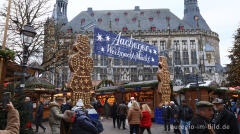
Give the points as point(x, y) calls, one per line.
point(118, 46)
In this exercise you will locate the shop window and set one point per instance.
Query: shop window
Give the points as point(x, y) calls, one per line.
point(99, 20)
point(125, 29)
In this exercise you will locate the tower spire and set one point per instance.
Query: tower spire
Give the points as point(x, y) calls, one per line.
point(191, 12)
point(60, 12)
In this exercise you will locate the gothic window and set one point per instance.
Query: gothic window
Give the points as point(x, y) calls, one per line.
point(194, 57)
point(103, 61)
point(192, 44)
point(146, 41)
point(177, 58)
point(95, 59)
point(162, 45)
point(185, 58)
point(154, 43)
point(186, 70)
point(176, 45)
point(125, 62)
point(184, 45)
point(116, 61)
point(209, 58)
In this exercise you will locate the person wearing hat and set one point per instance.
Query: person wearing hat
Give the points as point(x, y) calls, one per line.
point(201, 123)
point(56, 115)
point(224, 121)
point(132, 99)
point(175, 115)
point(82, 124)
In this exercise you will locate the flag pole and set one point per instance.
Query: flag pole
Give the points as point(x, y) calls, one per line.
point(5, 37)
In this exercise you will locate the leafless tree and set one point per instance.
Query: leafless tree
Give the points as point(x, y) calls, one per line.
point(33, 12)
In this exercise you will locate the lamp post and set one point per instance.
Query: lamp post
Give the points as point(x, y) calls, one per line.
point(27, 35)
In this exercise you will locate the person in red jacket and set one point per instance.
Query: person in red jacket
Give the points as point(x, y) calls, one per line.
point(146, 121)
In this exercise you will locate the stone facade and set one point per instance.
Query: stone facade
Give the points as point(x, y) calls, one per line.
point(190, 47)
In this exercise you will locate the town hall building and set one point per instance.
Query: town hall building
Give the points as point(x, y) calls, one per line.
point(189, 44)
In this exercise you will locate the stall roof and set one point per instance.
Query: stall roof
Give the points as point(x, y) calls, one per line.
point(37, 82)
point(209, 89)
point(141, 84)
point(108, 89)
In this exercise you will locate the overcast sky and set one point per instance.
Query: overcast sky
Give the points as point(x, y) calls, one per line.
point(223, 16)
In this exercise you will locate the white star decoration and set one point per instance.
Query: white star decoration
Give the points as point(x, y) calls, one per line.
point(150, 51)
point(102, 49)
point(153, 60)
point(107, 38)
point(154, 51)
point(99, 37)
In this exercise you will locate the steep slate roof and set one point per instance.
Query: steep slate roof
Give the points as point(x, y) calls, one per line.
point(126, 17)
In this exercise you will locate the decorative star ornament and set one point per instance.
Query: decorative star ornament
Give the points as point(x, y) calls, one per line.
point(153, 60)
point(154, 51)
point(99, 37)
point(107, 38)
point(102, 49)
point(150, 51)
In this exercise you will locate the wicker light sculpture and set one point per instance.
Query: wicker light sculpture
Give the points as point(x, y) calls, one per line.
point(81, 66)
point(163, 76)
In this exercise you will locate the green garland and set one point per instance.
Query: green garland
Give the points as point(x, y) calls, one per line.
point(104, 81)
point(152, 84)
point(209, 89)
point(7, 55)
point(34, 85)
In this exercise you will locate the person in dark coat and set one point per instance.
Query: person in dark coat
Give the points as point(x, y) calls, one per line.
point(166, 116)
point(201, 123)
point(175, 115)
point(185, 114)
point(64, 125)
point(67, 105)
point(39, 116)
point(225, 122)
point(114, 114)
point(82, 124)
point(122, 113)
point(106, 108)
point(29, 107)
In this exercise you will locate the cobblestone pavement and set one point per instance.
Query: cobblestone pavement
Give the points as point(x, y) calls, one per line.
point(108, 129)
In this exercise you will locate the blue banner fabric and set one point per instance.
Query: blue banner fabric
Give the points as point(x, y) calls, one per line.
point(117, 46)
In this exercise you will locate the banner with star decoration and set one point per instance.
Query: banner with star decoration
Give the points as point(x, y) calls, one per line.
point(118, 46)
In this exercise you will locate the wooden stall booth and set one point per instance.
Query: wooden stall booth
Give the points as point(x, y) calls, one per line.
point(40, 89)
point(204, 94)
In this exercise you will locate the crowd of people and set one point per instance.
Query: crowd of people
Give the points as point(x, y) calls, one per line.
point(216, 117)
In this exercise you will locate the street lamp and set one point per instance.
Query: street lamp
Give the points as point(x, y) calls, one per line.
point(27, 34)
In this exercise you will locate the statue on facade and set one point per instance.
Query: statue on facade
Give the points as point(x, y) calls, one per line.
point(81, 66)
point(163, 76)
